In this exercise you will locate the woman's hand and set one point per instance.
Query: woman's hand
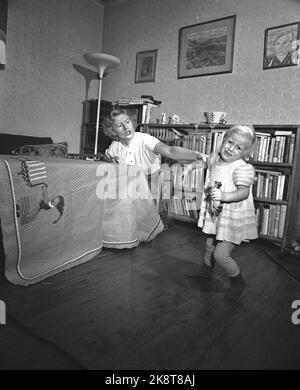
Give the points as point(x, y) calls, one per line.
point(110, 158)
point(201, 156)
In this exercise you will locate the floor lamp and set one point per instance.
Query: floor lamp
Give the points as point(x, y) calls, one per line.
point(102, 62)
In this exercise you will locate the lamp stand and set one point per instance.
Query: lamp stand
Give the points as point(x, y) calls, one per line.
point(102, 62)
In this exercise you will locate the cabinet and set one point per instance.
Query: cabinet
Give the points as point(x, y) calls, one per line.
point(88, 127)
point(277, 186)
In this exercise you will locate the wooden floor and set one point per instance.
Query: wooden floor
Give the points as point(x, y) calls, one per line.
point(135, 309)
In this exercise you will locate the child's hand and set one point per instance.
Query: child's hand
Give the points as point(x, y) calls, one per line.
point(216, 194)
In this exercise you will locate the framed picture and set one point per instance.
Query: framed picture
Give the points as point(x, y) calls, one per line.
point(281, 46)
point(145, 66)
point(206, 48)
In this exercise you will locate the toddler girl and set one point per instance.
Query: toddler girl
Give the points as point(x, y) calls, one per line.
point(227, 212)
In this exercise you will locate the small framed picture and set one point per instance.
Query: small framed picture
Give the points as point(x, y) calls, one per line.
point(206, 48)
point(145, 66)
point(281, 46)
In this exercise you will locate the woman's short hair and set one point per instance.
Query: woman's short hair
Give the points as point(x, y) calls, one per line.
point(108, 128)
point(109, 122)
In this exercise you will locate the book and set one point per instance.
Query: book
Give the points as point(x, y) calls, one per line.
point(271, 151)
point(274, 186)
point(276, 219)
point(280, 187)
point(276, 150)
point(283, 132)
point(265, 220)
point(281, 224)
point(292, 146)
point(286, 149)
point(270, 228)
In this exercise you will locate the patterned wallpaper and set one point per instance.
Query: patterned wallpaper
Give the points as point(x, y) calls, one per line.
point(249, 94)
point(43, 86)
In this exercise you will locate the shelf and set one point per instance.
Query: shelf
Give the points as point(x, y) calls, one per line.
point(187, 190)
point(266, 200)
point(190, 126)
point(270, 238)
point(271, 164)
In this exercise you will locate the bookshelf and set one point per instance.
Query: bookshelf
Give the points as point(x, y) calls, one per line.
point(138, 108)
point(88, 127)
point(186, 197)
point(276, 191)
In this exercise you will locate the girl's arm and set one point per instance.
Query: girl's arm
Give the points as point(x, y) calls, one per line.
point(243, 178)
point(179, 153)
point(241, 193)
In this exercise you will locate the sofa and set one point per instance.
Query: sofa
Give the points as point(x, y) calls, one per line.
point(10, 142)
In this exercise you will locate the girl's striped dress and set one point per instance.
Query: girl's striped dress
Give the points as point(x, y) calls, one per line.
point(236, 222)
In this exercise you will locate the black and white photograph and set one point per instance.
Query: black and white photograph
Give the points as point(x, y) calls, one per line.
point(150, 189)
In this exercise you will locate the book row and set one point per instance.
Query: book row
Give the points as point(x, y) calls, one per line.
point(271, 185)
point(185, 206)
point(187, 177)
point(270, 219)
point(277, 147)
point(164, 135)
point(195, 142)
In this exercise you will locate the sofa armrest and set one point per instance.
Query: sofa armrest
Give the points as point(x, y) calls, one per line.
point(8, 142)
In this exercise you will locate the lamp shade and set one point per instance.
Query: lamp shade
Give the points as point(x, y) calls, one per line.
point(101, 61)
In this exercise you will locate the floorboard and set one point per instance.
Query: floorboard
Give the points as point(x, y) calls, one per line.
point(135, 309)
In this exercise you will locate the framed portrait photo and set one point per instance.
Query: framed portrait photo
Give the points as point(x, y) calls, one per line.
point(206, 48)
point(281, 46)
point(145, 67)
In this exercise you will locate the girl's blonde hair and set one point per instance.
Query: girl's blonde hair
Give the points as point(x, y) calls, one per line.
point(245, 131)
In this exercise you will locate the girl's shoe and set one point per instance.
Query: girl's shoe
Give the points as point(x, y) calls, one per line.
point(236, 287)
point(205, 271)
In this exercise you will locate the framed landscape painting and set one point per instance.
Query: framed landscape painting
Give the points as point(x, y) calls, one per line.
point(206, 48)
